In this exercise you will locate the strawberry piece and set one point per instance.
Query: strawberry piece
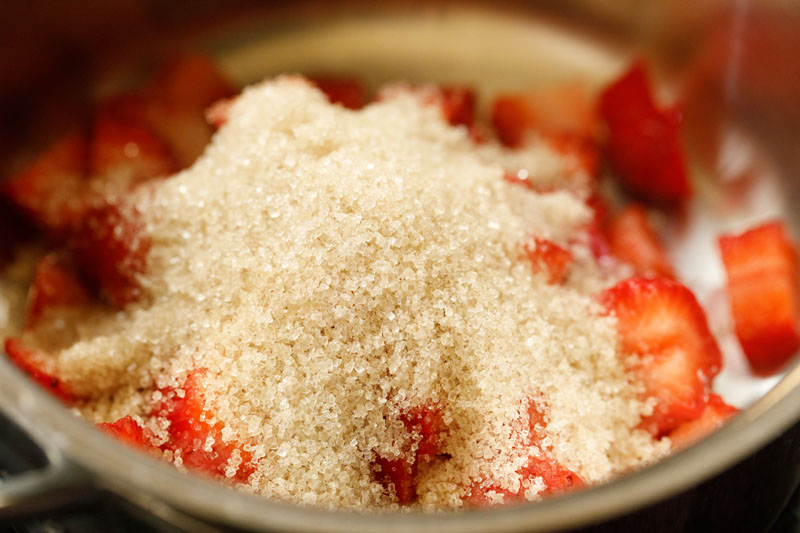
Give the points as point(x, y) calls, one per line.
point(348, 92)
point(401, 474)
point(172, 106)
point(458, 105)
point(124, 153)
point(127, 430)
point(426, 423)
point(556, 478)
point(581, 154)
point(661, 323)
point(762, 284)
point(190, 431)
point(38, 367)
point(111, 247)
point(716, 413)
point(560, 112)
point(217, 115)
point(550, 257)
point(191, 82)
point(644, 142)
point(633, 240)
point(536, 422)
point(55, 285)
point(49, 190)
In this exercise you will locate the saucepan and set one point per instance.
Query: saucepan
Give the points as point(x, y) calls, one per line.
point(732, 63)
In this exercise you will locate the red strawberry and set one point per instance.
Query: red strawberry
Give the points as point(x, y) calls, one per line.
point(400, 473)
point(762, 284)
point(562, 111)
point(458, 105)
point(660, 322)
point(124, 153)
point(633, 240)
point(644, 142)
point(55, 284)
point(426, 423)
point(581, 154)
point(217, 115)
point(536, 422)
point(191, 82)
point(189, 431)
point(127, 430)
point(50, 190)
point(556, 478)
point(716, 413)
point(348, 92)
point(38, 367)
point(111, 247)
point(172, 106)
point(550, 257)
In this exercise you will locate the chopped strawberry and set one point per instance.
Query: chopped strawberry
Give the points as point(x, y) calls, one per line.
point(191, 82)
point(660, 322)
point(556, 479)
point(536, 422)
point(55, 285)
point(426, 423)
point(550, 257)
point(38, 367)
point(716, 413)
point(127, 430)
point(596, 228)
point(217, 115)
point(401, 474)
point(458, 105)
point(644, 142)
point(762, 284)
point(348, 92)
point(50, 189)
point(173, 105)
point(581, 154)
point(124, 153)
point(558, 112)
point(633, 240)
point(191, 435)
point(111, 247)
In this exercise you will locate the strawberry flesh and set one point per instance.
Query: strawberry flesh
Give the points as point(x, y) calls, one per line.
point(556, 479)
point(547, 256)
point(644, 141)
point(761, 265)
point(425, 423)
point(660, 323)
point(190, 431)
point(111, 248)
point(127, 430)
point(38, 367)
point(347, 92)
point(634, 241)
point(563, 111)
point(55, 285)
point(716, 413)
point(49, 191)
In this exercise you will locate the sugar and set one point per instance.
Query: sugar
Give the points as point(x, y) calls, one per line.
point(330, 269)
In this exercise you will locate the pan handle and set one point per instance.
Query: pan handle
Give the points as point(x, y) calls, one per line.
point(56, 486)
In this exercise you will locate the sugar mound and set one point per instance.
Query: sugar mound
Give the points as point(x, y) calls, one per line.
point(331, 269)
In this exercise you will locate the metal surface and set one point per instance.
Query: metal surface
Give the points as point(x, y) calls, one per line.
point(491, 51)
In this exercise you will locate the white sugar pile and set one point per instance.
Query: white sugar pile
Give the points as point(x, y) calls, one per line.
point(331, 269)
